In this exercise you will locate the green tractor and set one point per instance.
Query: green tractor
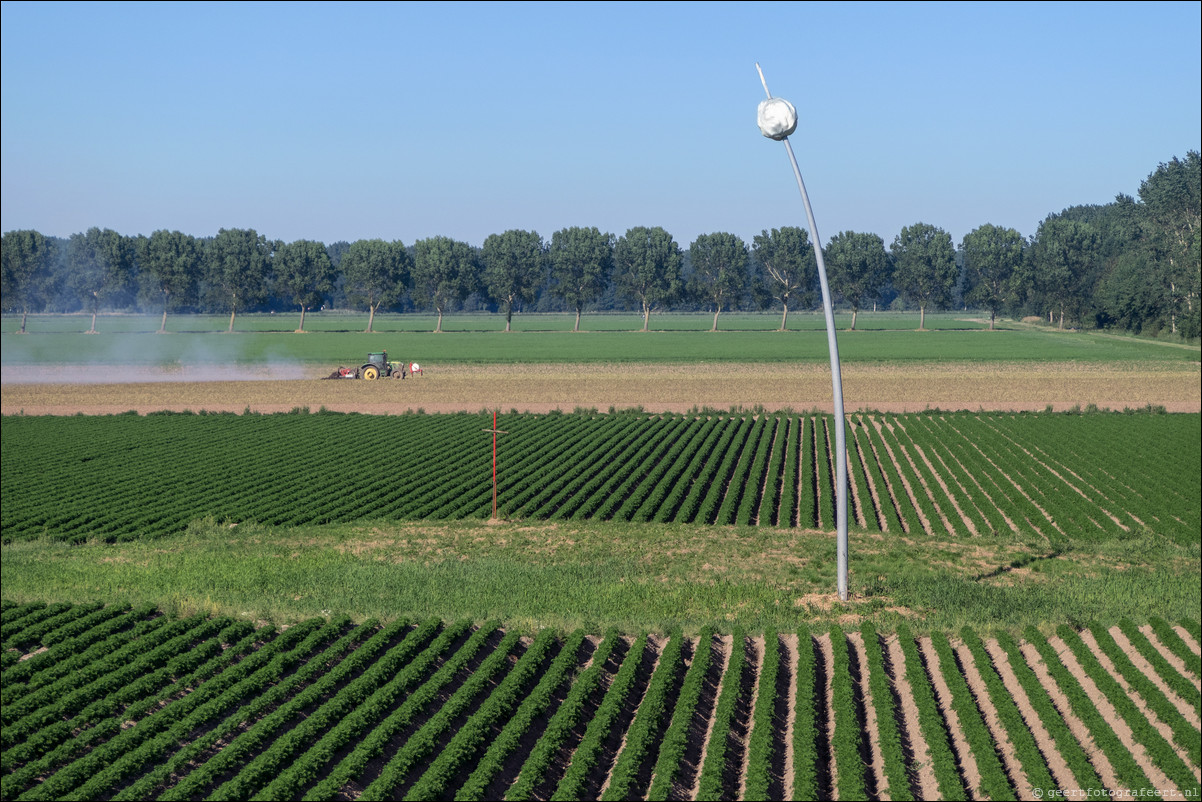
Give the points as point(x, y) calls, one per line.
point(376, 366)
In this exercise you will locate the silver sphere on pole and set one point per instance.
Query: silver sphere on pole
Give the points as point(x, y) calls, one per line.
point(777, 118)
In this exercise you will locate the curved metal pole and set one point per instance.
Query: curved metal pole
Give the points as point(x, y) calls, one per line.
point(836, 374)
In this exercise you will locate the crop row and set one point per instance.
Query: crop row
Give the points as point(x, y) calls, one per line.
point(1056, 476)
point(423, 709)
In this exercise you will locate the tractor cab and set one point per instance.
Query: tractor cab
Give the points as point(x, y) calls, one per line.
point(376, 366)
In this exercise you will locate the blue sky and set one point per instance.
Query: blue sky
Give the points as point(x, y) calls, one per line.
point(404, 121)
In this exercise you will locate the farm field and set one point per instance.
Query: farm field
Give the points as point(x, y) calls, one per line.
point(962, 341)
point(1059, 478)
point(311, 602)
point(352, 322)
point(655, 387)
point(109, 702)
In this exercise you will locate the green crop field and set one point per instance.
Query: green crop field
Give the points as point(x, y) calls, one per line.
point(1063, 478)
point(385, 322)
point(60, 341)
point(318, 605)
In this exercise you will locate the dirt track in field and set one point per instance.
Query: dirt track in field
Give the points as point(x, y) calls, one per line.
point(657, 388)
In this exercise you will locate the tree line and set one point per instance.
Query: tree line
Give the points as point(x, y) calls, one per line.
point(1132, 265)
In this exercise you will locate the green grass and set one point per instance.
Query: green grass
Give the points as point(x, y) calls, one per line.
point(348, 321)
point(597, 575)
point(476, 339)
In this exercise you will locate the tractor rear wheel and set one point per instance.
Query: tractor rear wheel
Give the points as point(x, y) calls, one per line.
point(371, 373)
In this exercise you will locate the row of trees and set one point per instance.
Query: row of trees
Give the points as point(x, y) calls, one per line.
point(1132, 264)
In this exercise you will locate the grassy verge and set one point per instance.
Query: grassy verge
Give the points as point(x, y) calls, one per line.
point(597, 575)
point(334, 348)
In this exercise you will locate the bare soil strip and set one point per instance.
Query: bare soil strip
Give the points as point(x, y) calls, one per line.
point(1017, 486)
point(1176, 662)
point(828, 659)
point(871, 728)
point(1183, 633)
point(608, 758)
point(947, 525)
point(948, 494)
point(758, 649)
point(912, 737)
point(943, 695)
point(857, 503)
point(780, 766)
point(1183, 706)
point(657, 387)
point(791, 644)
point(1140, 704)
point(709, 703)
point(1005, 747)
point(1060, 770)
point(1120, 727)
point(1043, 462)
point(1096, 757)
point(888, 488)
point(922, 518)
point(878, 509)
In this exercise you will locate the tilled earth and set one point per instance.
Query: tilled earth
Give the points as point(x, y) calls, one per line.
point(656, 388)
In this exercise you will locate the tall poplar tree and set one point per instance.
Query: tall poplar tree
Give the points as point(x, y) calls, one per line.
point(857, 266)
point(444, 271)
point(376, 272)
point(924, 267)
point(172, 260)
point(991, 257)
point(303, 270)
point(25, 275)
point(513, 268)
point(647, 265)
point(582, 260)
point(238, 268)
point(788, 262)
point(719, 276)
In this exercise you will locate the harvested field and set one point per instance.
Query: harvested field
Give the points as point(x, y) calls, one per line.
point(426, 709)
point(655, 387)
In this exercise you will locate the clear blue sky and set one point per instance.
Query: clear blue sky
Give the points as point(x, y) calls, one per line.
point(403, 121)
